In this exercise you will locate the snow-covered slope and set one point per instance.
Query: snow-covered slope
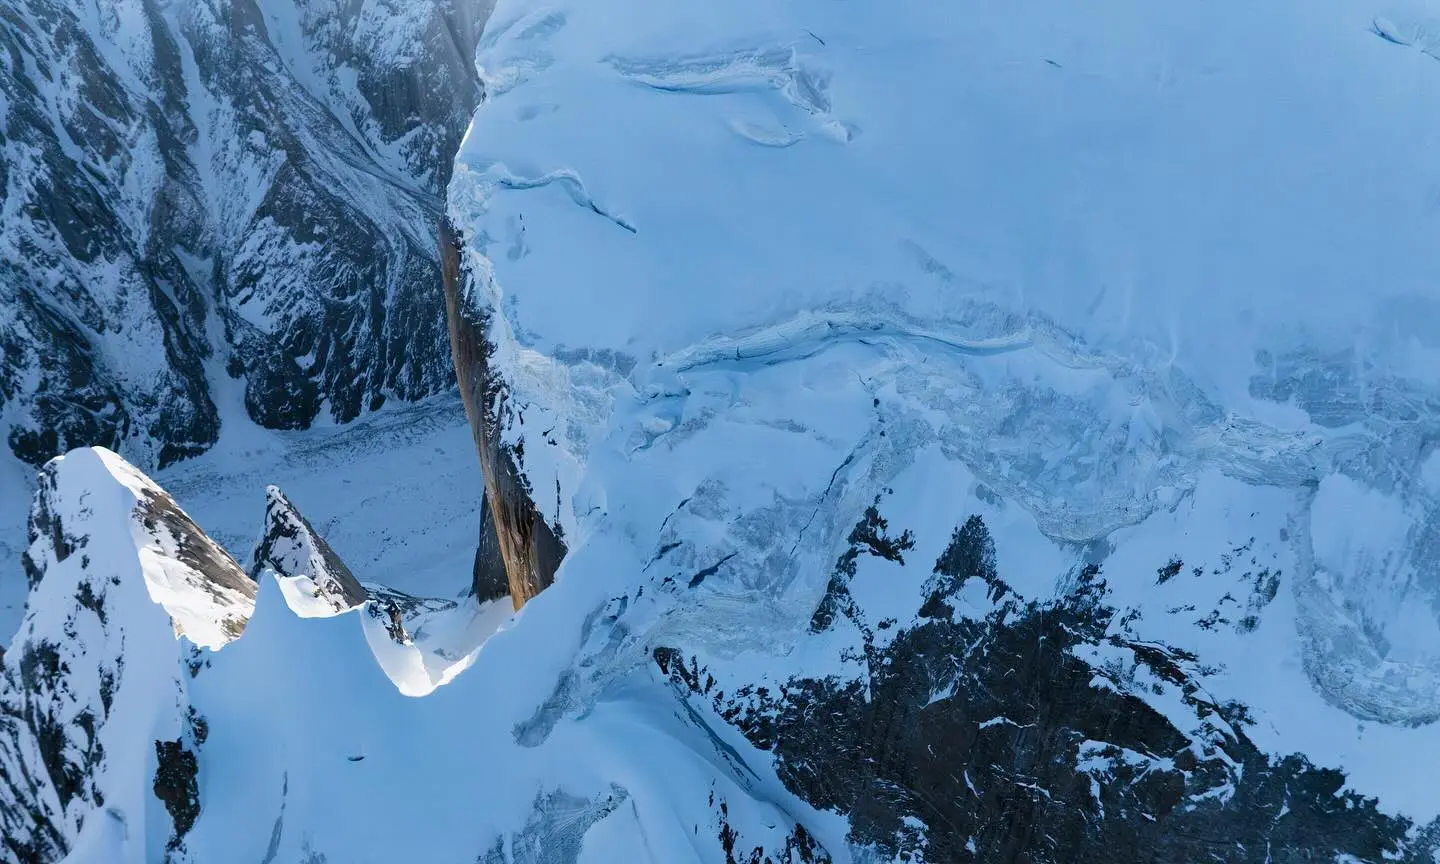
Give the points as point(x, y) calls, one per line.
point(1145, 287)
point(420, 642)
point(97, 739)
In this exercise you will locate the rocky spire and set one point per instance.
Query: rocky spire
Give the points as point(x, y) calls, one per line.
point(315, 581)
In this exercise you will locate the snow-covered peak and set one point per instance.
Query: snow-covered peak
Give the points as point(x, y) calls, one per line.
point(316, 583)
point(420, 643)
point(97, 508)
point(94, 682)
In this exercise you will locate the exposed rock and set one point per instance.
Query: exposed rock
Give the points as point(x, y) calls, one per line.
point(528, 546)
point(1004, 738)
point(314, 579)
point(202, 185)
point(175, 785)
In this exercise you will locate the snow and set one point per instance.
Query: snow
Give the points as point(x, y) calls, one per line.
point(124, 666)
point(209, 614)
point(1137, 287)
point(396, 494)
point(441, 641)
point(305, 597)
point(1115, 281)
point(1066, 176)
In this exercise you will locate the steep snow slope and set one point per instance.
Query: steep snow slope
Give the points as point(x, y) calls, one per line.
point(102, 670)
point(291, 744)
point(1093, 257)
point(420, 642)
point(93, 695)
point(396, 493)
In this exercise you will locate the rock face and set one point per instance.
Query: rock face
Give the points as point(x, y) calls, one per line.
point(528, 547)
point(315, 581)
point(118, 573)
point(1001, 737)
point(221, 203)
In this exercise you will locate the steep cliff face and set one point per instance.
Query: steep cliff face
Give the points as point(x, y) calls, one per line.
point(221, 204)
point(513, 532)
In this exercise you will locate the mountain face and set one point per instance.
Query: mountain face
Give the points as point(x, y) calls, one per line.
point(97, 671)
point(102, 730)
point(221, 204)
point(1006, 436)
point(419, 642)
point(315, 580)
point(988, 424)
point(519, 548)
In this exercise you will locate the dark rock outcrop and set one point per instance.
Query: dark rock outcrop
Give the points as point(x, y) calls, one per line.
point(201, 193)
point(1000, 739)
point(527, 545)
point(488, 580)
point(176, 770)
point(401, 614)
point(292, 549)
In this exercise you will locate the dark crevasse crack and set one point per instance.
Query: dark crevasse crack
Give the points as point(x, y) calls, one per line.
point(277, 831)
point(709, 571)
point(664, 550)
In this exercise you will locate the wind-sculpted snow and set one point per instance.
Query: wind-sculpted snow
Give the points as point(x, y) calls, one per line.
point(423, 643)
point(420, 642)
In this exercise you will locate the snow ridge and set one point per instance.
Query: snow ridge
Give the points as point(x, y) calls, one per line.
point(95, 680)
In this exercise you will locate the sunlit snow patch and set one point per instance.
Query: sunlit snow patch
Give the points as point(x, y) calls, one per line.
point(423, 643)
point(206, 593)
